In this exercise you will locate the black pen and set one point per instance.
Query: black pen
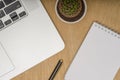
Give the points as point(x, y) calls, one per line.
point(56, 69)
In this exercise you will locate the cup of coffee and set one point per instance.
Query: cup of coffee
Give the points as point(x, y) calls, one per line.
point(71, 11)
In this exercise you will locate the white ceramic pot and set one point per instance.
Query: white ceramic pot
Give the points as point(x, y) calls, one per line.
point(84, 13)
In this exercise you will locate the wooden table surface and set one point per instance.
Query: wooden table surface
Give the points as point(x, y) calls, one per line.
point(106, 12)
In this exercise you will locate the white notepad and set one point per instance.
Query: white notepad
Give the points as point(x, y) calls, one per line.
point(98, 57)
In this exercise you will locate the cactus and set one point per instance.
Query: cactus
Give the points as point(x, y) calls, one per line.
point(70, 7)
point(70, 10)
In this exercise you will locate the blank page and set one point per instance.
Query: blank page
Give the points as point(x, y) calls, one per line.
point(98, 57)
point(5, 63)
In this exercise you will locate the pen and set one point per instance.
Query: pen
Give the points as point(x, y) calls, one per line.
point(56, 69)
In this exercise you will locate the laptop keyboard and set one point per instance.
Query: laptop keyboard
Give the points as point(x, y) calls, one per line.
point(10, 12)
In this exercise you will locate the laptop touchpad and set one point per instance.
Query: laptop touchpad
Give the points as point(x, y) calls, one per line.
point(5, 63)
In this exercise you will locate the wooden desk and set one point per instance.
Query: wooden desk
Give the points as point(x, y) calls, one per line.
point(106, 12)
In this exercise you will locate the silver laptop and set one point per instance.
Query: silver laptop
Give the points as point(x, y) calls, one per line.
point(27, 36)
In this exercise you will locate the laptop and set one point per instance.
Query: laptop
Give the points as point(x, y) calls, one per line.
point(27, 36)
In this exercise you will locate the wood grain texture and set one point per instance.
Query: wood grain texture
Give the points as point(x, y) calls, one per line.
point(106, 12)
point(117, 76)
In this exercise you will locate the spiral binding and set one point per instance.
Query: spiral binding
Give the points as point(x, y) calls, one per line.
point(108, 30)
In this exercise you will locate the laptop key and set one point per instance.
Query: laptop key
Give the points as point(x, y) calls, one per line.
point(2, 14)
point(22, 14)
point(8, 22)
point(8, 1)
point(1, 24)
point(14, 16)
point(12, 7)
point(1, 5)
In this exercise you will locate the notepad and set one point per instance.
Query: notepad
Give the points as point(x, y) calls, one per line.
point(98, 58)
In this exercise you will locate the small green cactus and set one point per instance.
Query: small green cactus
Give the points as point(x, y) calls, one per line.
point(70, 7)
